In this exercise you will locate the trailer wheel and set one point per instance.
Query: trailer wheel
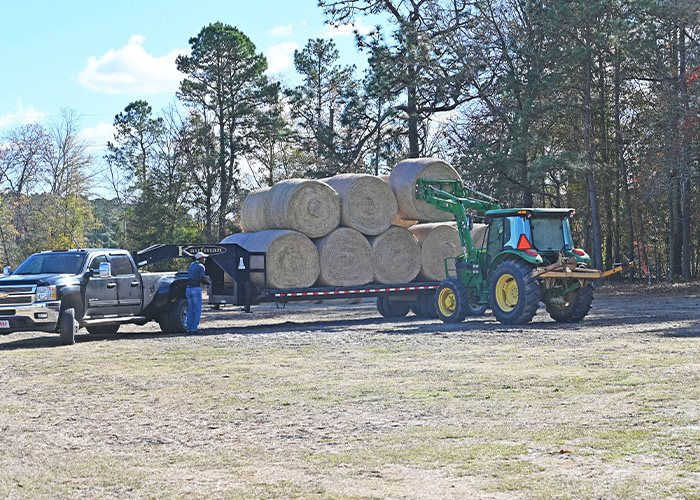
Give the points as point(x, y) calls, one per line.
point(103, 329)
point(476, 309)
point(424, 306)
point(515, 295)
point(68, 326)
point(452, 301)
point(575, 307)
point(174, 320)
point(392, 308)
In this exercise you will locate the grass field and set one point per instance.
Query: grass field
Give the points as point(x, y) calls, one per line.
point(334, 402)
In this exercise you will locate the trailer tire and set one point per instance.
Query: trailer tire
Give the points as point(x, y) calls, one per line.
point(515, 295)
point(476, 309)
point(578, 303)
point(392, 308)
point(174, 320)
point(452, 301)
point(424, 306)
point(68, 326)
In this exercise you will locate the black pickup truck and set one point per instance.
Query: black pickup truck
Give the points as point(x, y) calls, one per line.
point(100, 289)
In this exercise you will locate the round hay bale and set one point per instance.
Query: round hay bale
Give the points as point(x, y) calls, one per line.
point(254, 211)
point(345, 258)
point(438, 242)
point(479, 234)
point(396, 256)
point(403, 182)
point(291, 258)
point(308, 206)
point(367, 203)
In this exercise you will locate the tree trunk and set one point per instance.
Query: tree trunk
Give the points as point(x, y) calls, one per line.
point(685, 158)
point(596, 249)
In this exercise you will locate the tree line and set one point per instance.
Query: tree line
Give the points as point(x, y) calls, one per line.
point(592, 105)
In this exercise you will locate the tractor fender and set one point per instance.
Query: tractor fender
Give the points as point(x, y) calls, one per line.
point(514, 254)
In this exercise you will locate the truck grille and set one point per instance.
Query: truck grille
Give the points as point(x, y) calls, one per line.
point(11, 295)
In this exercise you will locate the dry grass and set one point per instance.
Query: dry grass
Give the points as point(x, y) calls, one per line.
point(331, 402)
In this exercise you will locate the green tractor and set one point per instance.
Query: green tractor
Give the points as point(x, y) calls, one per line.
point(527, 256)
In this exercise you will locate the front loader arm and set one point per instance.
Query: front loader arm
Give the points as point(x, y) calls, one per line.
point(453, 197)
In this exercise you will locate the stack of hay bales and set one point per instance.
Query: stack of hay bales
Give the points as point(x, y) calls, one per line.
point(350, 230)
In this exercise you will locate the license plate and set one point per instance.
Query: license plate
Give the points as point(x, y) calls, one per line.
point(4, 323)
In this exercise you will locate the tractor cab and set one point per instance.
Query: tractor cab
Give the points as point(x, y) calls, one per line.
point(539, 236)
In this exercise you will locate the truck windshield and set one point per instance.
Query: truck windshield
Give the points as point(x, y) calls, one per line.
point(551, 234)
point(52, 263)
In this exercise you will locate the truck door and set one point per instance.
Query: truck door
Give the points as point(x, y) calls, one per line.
point(101, 293)
point(128, 284)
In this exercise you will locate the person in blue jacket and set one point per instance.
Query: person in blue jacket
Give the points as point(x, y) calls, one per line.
point(195, 279)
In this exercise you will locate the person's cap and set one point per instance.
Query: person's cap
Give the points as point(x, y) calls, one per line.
point(200, 255)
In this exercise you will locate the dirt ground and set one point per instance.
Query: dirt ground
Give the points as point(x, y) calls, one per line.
point(331, 401)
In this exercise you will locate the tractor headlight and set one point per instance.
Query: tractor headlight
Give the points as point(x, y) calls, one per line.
point(45, 293)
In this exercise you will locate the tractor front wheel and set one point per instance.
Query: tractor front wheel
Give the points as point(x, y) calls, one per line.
point(452, 301)
point(574, 306)
point(515, 295)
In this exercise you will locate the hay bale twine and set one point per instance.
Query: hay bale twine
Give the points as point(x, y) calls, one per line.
point(438, 242)
point(367, 203)
point(254, 211)
point(308, 206)
point(345, 258)
point(403, 182)
point(291, 257)
point(396, 256)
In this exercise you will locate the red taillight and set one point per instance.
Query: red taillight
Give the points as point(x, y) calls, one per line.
point(578, 251)
point(531, 252)
point(523, 243)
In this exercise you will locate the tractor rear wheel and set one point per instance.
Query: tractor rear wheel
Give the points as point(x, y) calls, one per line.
point(452, 301)
point(576, 305)
point(515, 295)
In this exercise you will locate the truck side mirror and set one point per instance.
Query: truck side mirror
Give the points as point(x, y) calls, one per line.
point(105, 270)
point(6, 271)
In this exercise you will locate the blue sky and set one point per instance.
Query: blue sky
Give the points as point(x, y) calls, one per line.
point(97, 57)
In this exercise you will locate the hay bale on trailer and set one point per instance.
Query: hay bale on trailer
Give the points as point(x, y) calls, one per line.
point(292, 259)
point(396, 256)
point(345, 258)
point(438, 241)
point(308, 206)
point(367, 203)
point(403, 182)
point(254, 211)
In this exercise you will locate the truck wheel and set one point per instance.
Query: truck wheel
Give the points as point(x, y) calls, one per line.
point(424, 306)
point(576, 305)
point(392, 308)
point(515, 295)
point(452, 301)
point(68, 326)
point(103, 329)
point(175, 320)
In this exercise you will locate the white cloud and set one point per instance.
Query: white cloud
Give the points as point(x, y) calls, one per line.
point(280, 57)
point(98, 135)
point(281, 31)
point(22, 116)
point(346, 30)
point(131, 70)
